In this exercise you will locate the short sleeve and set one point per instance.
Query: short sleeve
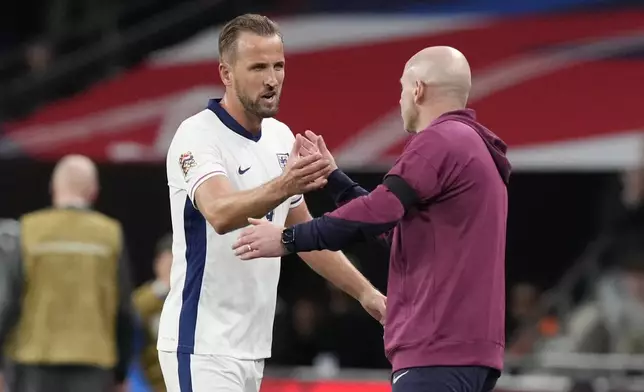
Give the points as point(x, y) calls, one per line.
point(418, 173)
point(198, 159)
point(296, 201)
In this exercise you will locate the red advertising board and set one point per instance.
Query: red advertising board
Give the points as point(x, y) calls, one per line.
point(540, 82)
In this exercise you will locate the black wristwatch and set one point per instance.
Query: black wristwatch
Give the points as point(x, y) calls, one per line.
point(288, 239)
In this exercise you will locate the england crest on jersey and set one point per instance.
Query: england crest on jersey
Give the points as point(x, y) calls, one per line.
point(282, 159)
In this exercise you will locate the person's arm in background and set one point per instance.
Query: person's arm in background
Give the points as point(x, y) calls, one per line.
point(337, 269)
point(11, 284)
point(125, 320)
point(149, 303)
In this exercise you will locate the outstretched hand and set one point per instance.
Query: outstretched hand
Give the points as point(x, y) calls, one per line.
point(314, 144)
point(303, 174)
point(261, 239)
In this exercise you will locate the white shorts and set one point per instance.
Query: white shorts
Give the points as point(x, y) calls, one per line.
point(209, 373)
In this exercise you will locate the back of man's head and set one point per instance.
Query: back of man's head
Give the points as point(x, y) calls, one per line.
point(74, 181)
point(444, 70)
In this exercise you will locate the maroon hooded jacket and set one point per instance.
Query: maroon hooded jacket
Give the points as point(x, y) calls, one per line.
point(443, 210)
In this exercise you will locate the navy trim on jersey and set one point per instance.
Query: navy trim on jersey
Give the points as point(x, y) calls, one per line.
point(228, 120)
point(185, 376)
point(195, 231)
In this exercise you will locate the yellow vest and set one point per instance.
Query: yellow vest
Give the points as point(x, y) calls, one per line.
point(148, 305)
point(70, 293)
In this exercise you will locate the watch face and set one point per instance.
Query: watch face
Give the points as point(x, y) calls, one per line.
point(287, 236)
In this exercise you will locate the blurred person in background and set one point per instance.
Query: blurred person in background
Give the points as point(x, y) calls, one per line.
point(70, 293)
point(620, 295)
point(624, 230)
point(9, 294)
point(526, 323)
point(148, 302)
point(523, 304)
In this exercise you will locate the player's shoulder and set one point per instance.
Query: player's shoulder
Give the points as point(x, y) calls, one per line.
point(196, 132)
point(95, 218)
point(142, 292)
point(105, 220)
point(37, 215)
point(197, 125)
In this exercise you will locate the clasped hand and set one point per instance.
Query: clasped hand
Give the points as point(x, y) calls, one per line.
point(264, 239)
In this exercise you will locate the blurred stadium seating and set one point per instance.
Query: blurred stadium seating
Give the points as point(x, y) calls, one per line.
point(560, 80)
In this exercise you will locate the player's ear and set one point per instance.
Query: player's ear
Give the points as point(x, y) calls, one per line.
point(419, 91)
point(225, 74)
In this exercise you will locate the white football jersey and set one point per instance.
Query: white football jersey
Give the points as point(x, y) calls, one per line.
point(219, 304)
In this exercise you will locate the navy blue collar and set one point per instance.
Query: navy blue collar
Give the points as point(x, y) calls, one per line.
point(228, 120)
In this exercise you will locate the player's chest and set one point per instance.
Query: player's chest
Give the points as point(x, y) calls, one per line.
point(253, 164)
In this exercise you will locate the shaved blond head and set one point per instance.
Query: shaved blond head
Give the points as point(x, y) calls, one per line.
point(75, 180)
point(435, 80)
point(443, 68)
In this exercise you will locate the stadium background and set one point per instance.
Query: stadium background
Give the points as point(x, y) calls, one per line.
point(560, 80)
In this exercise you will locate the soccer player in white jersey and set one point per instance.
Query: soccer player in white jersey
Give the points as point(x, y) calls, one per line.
point(227, 163)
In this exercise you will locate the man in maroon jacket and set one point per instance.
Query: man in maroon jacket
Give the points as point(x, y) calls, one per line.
point(443, 209)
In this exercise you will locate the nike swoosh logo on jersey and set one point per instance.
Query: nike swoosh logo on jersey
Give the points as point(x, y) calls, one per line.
point(396, 378)
point(242, 171)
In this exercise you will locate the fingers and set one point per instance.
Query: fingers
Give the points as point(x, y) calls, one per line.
point(322, 173)
point(317, 140)
point(315, 185)
point(245, 249)
point(255, 222)
point(253, 254)
point(311, 168)
point(312, 137)
point(248, 230)
point(321, 145)
point(242, 243)
point(297, 145)
point(315, 180)
point(243, 246)
point(306, 161)
point(308, 148)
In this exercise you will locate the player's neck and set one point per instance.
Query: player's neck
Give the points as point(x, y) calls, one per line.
point(234, 108)
point(431, 113)
point(67, 201)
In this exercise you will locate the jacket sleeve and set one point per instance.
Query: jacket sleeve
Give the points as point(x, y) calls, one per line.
point(360, 219)
point(411, 181)
point(343, 189)
point(11, 281)
point(125, 319)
